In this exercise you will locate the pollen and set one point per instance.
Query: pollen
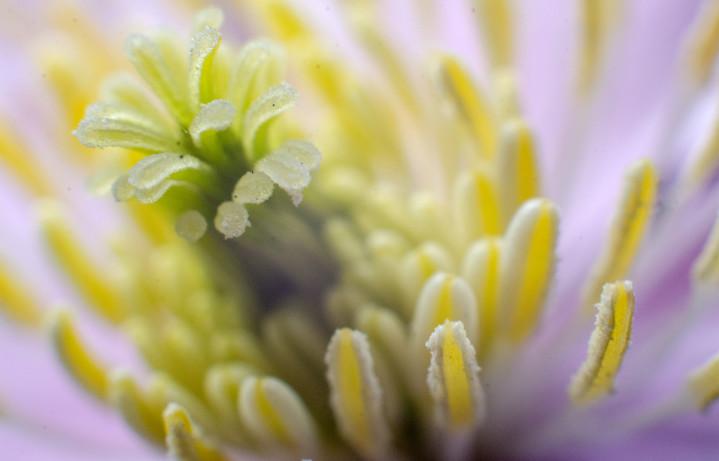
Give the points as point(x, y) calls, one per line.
point(607, 344)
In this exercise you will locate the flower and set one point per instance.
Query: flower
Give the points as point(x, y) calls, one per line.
point(408, 292)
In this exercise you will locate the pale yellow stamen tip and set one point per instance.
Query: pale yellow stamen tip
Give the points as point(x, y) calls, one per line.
point(16, 299)
point(703, 384)
point(191, 225)
point(519, 177)
point(231, 219)
point(444, 297)
point(453, 378)
point(356, 395)
point(527, 267)
point(607, 345)
point(183, 439)
point(497, 24)
point(467, 101)
point(706, 267)
point(628, 227)
point(74, 355)
point(703, 44)
point(274, 414)
point(139, 412)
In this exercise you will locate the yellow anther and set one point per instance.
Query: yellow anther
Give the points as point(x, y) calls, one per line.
point(417, 267)
point(16, 157)
point(706, 267)
point(356, 395)
point(707, 161)
point(275, 415)
point(703, 43)
point(496, 22)
point(478, 208)
point(163, 390)
point(468, 101)
point(607, 345)
point(15, 298)
point(703, 384)
point(222, 389)
point(75, 356)
point(444, 297)
point(140, 413)
point(506, 97)
point(453, 378)
point(527, 266)
point(481, 269)
point(285, 22)
point(519, 177)
point(598, 17)
point(72, 257)
point(627, 230)
point(183, 439)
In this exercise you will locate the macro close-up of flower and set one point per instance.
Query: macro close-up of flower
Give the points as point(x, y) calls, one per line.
point(349, 229)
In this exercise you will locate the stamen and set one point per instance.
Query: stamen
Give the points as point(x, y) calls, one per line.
point(527, 267)
point(706, 162)
point(74, 355)
point(231, 219)
point(102, 295)
point(458, 88)
point(444, 297)
point(703, 43)
point(272, 103)
point(152, 170)
point(290, 165)
point(125, 89)
point(216, 115)
point(478, 206)
point(597, 18)
point(453, 378)
point(706, 267)
point(109, 132)
point(139, 412)
point(627, 230)
point(703, 384)
point(273, 412)
point(15, 299)
point(148, 59)
point(199, 67)
point(506, 95)
point(253, 188)
point(15, 158)
point(607, 344)
point(519, 178)
point(164, 390)
point(191, 225)
point(257, 62)
point(481, 269)
point(355, 393)
point(183, 439)
point(495, 20)
point(122, 190)
point(222, 390)
point(417, 267)
point(387, 336)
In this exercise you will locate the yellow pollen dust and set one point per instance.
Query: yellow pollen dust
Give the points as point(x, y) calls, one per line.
point(455, 380)
point(607, 344)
